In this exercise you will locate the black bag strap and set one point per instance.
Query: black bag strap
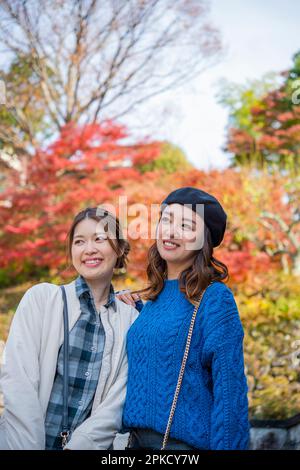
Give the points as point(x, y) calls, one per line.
point(65, 431)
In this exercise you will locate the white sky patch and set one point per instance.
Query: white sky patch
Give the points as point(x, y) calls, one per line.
point(259, 37)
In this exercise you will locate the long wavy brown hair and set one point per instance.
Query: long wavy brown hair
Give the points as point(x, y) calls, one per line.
point(193, 280)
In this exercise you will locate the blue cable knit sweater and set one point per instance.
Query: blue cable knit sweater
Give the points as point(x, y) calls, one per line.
point(212, 409)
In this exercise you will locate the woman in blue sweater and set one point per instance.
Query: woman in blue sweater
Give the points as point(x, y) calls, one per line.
point(212, 406)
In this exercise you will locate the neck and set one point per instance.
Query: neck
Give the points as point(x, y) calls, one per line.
point(174, 270)
point(99, 289)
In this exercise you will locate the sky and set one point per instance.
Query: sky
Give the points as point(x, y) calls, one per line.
point(259, 36)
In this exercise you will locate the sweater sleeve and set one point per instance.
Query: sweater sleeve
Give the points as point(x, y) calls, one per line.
point(223, 350)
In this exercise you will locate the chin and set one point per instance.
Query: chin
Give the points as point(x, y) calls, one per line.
point(168, 257)
point(89, 275)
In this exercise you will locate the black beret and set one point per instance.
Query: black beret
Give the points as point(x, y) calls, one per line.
point(214, 214)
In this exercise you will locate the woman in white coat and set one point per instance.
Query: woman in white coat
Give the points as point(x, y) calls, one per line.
point(32, 374)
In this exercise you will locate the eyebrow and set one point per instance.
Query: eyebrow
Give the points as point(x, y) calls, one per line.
point(191, 221)
point(98, 233)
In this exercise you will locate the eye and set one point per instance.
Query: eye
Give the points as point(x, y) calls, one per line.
point(101, 238)
point(165, 219)
point(77, 242)
point(187, 226)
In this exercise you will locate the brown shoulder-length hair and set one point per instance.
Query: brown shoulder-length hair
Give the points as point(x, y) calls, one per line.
point(111, 226)
point(193, 280)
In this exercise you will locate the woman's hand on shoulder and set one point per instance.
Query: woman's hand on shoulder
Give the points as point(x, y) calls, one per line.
point(127, 297)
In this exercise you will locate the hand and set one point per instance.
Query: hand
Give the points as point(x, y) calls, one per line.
point(128, 298)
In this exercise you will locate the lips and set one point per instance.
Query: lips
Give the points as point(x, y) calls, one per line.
point(92, 262)
point(170, 244)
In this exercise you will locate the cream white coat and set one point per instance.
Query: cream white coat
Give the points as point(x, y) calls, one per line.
point(29, 367)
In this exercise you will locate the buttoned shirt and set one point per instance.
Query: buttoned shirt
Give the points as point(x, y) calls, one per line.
point(86, 344)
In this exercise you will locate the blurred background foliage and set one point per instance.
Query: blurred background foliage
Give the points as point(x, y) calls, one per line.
point(62, 148)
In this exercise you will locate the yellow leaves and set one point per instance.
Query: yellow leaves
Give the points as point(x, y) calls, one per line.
point(276, 399)
point(5, 321)
point(127, 283)
point(270, 313)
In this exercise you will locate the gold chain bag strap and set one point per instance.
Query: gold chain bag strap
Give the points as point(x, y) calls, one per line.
point(181, 372)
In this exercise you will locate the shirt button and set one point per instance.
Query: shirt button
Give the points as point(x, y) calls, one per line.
point(87, 374)
point(80, 403)
point(93, 348)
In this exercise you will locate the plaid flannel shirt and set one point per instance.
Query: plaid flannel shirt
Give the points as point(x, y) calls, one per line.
point(87, 339)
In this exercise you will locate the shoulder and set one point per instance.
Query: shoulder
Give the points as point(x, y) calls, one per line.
point(39, 297)
point(218, 291)
point(41, 291)
point(34, 304)
point(218, 303)
point(128, 312)
point(218, 286)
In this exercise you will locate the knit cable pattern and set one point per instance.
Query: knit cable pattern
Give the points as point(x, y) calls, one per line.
point(212, 410)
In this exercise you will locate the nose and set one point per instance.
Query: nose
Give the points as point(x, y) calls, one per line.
point(90, 247)
point(177, 231)
point(173, 231)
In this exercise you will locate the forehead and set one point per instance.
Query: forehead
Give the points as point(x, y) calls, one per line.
point(88, 225)
point(180, 210)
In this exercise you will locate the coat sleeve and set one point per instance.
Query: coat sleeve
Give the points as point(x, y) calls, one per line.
point(99, 430)
point(224, 355)
point(22, 422)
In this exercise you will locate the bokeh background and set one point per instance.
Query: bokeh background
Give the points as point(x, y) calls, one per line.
point(102, 99)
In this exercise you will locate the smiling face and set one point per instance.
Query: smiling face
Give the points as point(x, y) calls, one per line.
point(93, 257)
point(180, 235)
